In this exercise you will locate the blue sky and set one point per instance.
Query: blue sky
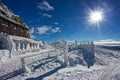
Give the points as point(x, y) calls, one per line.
point(67, 19)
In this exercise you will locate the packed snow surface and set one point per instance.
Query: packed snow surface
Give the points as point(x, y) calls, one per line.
point(106, 67)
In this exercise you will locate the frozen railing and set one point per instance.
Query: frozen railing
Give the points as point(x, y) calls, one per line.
point(19, 63)
point(80, 43)
point(84, 42)
point(86, 45)
point(18, 45)
point(27, 60)
point(14, 53)
point(30, 62)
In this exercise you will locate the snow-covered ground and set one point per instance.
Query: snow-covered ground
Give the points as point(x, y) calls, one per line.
point(106, 67)
point(36, 62)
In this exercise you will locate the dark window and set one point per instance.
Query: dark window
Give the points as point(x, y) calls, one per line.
point(21, 30)
point(1, 43)
point(15, 27)
point(5, 23)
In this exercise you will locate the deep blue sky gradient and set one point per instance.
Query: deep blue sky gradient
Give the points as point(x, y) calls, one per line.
point(71, 16)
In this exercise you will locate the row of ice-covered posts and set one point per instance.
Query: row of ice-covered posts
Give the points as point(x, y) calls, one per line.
point(84, 43)
point(24, 45)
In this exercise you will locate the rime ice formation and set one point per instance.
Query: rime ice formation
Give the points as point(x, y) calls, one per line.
point(37, 59)
point(18, 45)
point(106, 66)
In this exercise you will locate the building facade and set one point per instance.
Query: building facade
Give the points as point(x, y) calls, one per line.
point(12, 24)
point(14, 34)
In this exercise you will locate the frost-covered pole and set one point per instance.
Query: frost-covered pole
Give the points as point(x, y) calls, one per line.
point(10, 53)
point(23, 47)
point(66, 53)
point(49, 54)
point(37, 46)
point(92, 46)
point(57, 46)
point(10, 43)
point(58, 51)
point(28, 46)
point(24, 67)
point(76, 43)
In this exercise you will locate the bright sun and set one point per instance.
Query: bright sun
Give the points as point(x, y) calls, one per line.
point(96, 17)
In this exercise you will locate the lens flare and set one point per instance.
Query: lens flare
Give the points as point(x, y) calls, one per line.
point(96, 17)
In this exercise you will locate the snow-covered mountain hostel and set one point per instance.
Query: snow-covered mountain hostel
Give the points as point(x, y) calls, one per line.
point(14, 33)
point(12, 24)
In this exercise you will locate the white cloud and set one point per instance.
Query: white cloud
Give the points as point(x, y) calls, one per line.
point(56, 23)
point(45, 6)
point(46, 15)
point(55, 30)
point(47, 29)
point(43, 29)
point(106, 41)
point(32, 36)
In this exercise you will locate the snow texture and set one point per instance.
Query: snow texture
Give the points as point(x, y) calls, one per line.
point(44, 65)
point(106, 67)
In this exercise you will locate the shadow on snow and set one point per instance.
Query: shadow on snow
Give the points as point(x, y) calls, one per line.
point(47, 74)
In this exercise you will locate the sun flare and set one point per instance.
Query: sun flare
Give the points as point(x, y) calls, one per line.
point(96, 17)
